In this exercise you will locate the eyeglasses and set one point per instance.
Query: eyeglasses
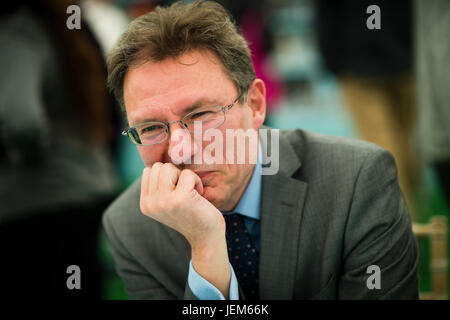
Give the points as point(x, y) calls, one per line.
point(198, 121)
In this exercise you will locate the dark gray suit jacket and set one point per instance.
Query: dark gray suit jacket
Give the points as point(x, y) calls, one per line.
point(333, 209)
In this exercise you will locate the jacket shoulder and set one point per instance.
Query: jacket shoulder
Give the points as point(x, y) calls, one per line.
point(123, 216)
point(306, 143)
point(127, 202)
point(329, 155)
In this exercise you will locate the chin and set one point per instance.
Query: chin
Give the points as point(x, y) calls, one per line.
point(211, 194)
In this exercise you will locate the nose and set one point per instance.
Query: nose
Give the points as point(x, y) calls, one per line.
point(182, 145)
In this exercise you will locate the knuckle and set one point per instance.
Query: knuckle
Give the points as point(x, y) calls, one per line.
point(156, 165)
point(166, 167)
point(145, 174)
point(187, 172)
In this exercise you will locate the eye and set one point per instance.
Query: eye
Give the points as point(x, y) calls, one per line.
point(151, 129)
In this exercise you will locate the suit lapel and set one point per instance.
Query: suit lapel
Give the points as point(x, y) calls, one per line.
point(281, 207)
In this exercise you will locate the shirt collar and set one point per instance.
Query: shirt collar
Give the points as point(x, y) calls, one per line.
point(250, 202)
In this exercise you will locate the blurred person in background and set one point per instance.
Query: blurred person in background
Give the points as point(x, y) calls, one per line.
point(250, 16)
point(375, 70)
point(57, 124)
point(433, 79)
point(106, 20)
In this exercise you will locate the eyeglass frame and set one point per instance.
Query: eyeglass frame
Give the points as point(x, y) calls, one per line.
point(127, 129)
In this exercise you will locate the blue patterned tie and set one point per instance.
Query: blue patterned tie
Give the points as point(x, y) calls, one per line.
point(243, 255)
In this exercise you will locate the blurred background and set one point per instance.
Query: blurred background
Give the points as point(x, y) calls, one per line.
point(324, 69)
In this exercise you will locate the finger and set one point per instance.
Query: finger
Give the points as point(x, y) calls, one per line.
point(189, 181)
point(145, 180)
point(154, 177)
point(168, 177)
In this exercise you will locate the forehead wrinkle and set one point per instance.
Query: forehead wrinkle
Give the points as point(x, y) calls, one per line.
point(177, 91)
point(186, 105)
point(155, 102)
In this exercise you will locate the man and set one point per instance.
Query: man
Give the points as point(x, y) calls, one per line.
point(222, 230)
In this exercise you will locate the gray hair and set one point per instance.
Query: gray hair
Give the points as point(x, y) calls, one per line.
point(171, 31)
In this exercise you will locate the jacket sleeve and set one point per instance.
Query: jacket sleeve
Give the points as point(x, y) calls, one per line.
point(378, 234)
point(139, 284)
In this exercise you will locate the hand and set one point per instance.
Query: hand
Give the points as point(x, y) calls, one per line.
point(174, 198)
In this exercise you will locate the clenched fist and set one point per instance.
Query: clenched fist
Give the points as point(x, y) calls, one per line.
point(174, 198)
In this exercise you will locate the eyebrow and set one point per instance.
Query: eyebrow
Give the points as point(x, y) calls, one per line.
point(196, 105)
point(183, 112)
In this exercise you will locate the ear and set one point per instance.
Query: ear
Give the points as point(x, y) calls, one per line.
point(256, 100)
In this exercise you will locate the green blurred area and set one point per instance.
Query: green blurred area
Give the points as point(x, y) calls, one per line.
point(431, 202)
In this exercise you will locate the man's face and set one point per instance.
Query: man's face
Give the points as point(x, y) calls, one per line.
point(166, 91)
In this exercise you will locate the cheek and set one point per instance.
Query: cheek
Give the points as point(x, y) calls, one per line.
point(150, 155)
point(243, 120)
point(239, 120)
point(229, 177)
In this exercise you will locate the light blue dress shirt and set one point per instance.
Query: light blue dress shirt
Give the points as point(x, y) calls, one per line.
point(249, 206)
